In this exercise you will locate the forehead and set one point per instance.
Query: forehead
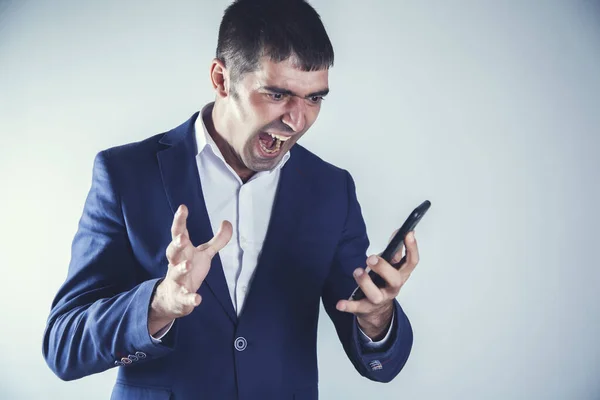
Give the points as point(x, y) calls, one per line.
point(286, 75)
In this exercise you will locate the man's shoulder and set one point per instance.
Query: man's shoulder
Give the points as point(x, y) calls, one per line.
point(146, 149)
point(314, 164)
point(140, 148)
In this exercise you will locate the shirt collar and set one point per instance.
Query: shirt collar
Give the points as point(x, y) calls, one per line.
point(204, 140)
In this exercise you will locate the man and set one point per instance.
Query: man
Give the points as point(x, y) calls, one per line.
point(231, 315)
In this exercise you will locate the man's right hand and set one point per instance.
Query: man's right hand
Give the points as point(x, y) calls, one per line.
point(176, 295)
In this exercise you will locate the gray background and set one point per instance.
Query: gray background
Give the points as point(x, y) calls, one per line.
point(490, 109)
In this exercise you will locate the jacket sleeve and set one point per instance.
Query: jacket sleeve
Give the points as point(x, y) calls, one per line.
point(380, 365)
point(99, 316)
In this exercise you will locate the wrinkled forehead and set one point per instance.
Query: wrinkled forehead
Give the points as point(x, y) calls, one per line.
point(288, 75)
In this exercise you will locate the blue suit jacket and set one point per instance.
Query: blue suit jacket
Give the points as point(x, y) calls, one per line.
point(315, 239)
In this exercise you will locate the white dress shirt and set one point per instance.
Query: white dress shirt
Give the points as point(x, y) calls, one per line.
point(247, 206)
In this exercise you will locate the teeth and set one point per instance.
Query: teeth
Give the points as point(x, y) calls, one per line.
point(278, 137)
point(273, 150)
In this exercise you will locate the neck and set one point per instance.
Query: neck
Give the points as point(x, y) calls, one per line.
point(229, 154)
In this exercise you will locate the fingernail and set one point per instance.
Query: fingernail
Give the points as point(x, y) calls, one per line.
point(372, 260)
point(410, 237)
point(342, 307)
point(358, 272)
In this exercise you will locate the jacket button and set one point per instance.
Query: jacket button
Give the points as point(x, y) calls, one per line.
point(240, 344)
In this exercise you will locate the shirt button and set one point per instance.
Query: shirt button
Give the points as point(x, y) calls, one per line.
point(244, 288)
point(240, 344)
point(242, 240)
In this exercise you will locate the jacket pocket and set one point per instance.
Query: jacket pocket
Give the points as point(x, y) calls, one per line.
point(123, 391)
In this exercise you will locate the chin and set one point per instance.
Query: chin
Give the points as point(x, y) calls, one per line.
point(255, 162)
point(264, 166)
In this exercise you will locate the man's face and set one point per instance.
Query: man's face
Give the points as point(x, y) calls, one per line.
point(270, 109)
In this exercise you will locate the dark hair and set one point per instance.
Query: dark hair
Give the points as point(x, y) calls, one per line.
point(277, 29)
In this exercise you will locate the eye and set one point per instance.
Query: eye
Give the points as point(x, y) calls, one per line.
point(276, 96)
point(316, 99)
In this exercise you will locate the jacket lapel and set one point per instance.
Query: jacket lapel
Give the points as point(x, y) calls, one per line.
point(292, 192)
point(288, 209)
point(182, 185)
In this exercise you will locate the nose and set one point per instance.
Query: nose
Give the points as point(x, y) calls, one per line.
point(295, 116)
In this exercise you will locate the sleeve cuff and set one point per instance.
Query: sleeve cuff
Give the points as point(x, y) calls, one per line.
point(161, 333)
point(369, 343)
point(144, 342)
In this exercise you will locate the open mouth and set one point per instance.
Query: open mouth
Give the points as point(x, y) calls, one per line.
point(271, 143)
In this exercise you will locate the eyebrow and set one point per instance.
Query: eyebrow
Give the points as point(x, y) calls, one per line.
point(288, 92)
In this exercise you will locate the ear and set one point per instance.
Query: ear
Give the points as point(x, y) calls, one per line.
point(219, 76)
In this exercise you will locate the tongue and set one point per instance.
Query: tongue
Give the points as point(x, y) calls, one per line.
point(267, 140)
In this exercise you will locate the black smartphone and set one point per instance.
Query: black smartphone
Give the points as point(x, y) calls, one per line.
point(394, 246)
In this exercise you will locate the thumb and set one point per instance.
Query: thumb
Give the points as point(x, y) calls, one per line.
point(218, 241)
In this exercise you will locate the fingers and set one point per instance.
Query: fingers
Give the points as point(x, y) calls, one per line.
point(188, 269)
point(179, 226)
point(192, 299)
point(179, 271)
point(176, 250)
point(393, 278)
point(180, 237)
point(412, 253)
point(371, 291)
point(182, 300)
point(398, 260)
point(358, 307)
point(361, 307)
point(219, 241)
point(375, 296)
point(398, 264)
point(171, 300)
point(187, 299)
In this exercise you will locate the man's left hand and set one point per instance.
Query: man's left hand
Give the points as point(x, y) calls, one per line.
point(374, 312)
